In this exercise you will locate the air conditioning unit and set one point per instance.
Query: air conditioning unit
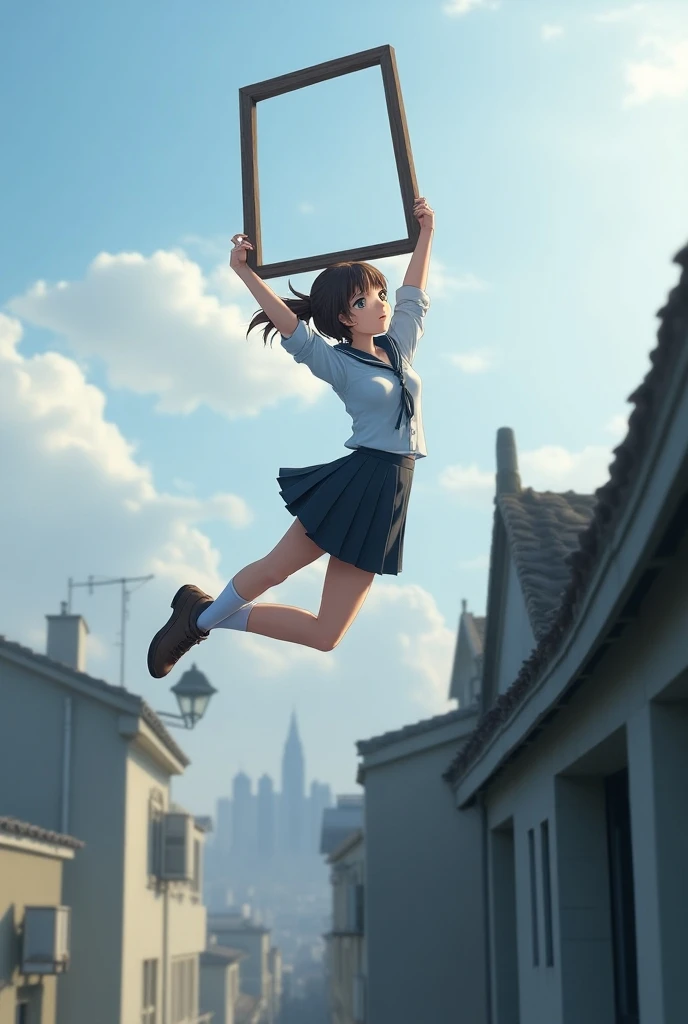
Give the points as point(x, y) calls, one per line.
point(359, 998)
point(177, 847)
point(45, 947)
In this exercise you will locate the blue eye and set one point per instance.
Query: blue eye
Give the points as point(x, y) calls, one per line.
point(356, 303)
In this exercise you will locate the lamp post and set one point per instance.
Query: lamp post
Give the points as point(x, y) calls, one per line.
point(193, 693)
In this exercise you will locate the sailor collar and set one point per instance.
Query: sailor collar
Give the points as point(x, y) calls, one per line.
point(397, 367)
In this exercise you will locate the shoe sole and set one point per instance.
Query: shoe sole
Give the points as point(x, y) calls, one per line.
point(152, 650)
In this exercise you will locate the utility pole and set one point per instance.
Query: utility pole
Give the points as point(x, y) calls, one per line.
point(122, 581)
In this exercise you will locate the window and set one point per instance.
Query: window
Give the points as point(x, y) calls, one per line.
point(22, 1014)
point(184, 990)
point(156, 811)
point(149, 1001)
point(533, 899)
point(547, 892)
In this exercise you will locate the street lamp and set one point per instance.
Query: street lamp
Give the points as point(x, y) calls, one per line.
point(193, 692)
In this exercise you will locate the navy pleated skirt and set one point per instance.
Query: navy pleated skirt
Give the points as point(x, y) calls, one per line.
point(355, 507)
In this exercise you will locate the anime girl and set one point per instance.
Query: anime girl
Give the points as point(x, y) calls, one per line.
point(354, 508)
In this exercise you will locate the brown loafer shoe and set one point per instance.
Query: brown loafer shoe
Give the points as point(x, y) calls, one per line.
point(180, 633)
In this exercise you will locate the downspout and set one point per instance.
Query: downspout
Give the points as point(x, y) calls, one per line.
point(66, 764)
point(165, 943)
point(485, 856)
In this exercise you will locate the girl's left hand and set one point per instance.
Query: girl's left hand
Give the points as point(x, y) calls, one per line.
point(423, 214)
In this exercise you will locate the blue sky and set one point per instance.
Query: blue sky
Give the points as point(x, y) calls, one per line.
point(142, 433)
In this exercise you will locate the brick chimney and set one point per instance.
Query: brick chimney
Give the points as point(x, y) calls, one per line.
point(67, 639)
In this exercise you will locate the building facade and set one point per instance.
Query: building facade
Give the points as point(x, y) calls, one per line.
point(104, 771)
point(346, 959)
point(34, 921)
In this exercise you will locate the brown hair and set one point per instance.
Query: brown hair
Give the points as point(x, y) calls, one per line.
point(331, 294)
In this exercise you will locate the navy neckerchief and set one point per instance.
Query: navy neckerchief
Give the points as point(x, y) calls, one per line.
point(397, 368)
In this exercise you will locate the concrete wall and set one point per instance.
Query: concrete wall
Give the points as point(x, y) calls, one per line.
point(424, 893)
point(32, 790)
point(255, 980)
point(633, 711)
point(517, 639)
point(219, 987)
point(34, 880)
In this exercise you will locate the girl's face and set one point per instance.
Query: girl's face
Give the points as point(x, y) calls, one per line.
point(369, 313)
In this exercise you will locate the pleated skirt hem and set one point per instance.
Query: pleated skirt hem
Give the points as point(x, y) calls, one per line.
point(355, 507)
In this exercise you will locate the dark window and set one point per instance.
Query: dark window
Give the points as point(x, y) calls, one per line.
point(149, 1001)
point(622, 897)
point(22, 1013)
point(547, 892)
point(533, 899)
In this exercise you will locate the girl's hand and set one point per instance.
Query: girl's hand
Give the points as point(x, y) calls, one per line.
point(237, 257)
point(423, 214)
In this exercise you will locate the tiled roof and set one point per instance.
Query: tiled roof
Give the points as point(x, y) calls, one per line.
point(628, 457)
point(22, 829)
point(138, 705)
point(375, 743)
point(543, 530)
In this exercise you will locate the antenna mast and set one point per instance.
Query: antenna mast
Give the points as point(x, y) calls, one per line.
point(122, 581)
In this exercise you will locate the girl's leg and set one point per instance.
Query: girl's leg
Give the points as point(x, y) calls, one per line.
point(345, 590)
point(291, 553)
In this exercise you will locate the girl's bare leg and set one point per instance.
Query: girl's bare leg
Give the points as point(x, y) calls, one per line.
point(294, 551)
point(344, 592)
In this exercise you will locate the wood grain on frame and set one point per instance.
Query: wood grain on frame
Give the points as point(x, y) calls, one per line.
point(250, 95)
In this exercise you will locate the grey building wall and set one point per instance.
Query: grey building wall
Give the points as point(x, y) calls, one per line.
point(517, 639)
point(31, 789)
point(633, 713)
point(424, 894)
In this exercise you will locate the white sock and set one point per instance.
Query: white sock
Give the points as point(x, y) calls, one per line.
point(237, 620)
point(222, 607)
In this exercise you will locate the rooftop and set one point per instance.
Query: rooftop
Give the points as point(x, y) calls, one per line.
point(22, 829)
point(99, 687)
point(608, 507)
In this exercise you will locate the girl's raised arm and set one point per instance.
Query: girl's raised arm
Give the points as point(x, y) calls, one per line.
point(278, 312)
point(417, 273)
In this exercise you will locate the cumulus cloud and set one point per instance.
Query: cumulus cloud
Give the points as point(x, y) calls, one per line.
point(663, 75)
point(160, 331)
point(78, 501)
point(459, 8)
point(477, 361)
point(549, 468)
point(549, 32)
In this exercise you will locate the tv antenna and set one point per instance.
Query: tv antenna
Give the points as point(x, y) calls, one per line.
point(106, 581)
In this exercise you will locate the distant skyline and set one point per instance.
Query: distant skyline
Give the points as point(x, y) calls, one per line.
point(141, 432)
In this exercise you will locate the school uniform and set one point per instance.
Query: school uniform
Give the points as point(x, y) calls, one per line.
point(355, 507)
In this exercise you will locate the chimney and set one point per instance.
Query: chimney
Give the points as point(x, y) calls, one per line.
point(508, 478)
point(67, 639)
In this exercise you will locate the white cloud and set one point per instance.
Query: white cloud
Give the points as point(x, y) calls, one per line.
point(79, 502)
point(549, 468)
point(619, 14)
point(160, 331)
point(458, 8)
point(477, 361)
point(618, 426)
point(548, 32)
point(663, 76)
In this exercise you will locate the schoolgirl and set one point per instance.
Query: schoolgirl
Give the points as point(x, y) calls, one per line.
point(355, 507)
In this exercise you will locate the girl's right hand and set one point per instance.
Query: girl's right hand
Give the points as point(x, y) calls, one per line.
point(237, 257)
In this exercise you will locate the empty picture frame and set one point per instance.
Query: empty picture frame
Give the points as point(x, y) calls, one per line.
point(250, 95)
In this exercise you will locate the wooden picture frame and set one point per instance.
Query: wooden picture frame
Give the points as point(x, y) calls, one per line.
point(250, 95)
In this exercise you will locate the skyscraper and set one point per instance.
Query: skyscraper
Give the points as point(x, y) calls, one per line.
point(320, 799)
point(266, 818)
point(243, 816)
point(293, 803)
